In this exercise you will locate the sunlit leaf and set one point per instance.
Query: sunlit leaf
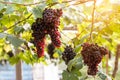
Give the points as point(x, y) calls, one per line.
point(3, 35)
point(17, 30)
point(14, 40)
point(37, 11)
point(50, 2)
point(2, 6)
point(61, 24)
point(60, 1)
point(14, 60)
point(24, 57)
point(76, 63)
point(77, 48)
point(9, 9)
point(1, 14)
point(76, 72)
point(71, 64)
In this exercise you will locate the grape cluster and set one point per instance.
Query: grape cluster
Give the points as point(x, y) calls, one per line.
point(68, 54)
point(52, 16)
point(52, 19)
point(48, 24)
point(55, 38)
point(92, 55)
point(10, 54)
point(50, 49)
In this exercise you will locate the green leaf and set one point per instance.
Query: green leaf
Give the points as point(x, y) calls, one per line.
point(79, 65)
point(69, 75)
point(71, 64)
point(14, 40)
point(84, 78)
point(102, 75)
point(37, 11)
point(2, 6)
point(77, 48)
point(76, 72)
point(3, 10)
point(14, 60)
point(24, 57)
point(10, 9)
point(65, 75)
point(76, 62)
point(83, 38)
point(73, 77)
point(1, 15)
point(75, 41)
point(50, 2)
point(61, 24)
point(3, 35)
point(18, 29)
point(60, 1)
point(18, 1)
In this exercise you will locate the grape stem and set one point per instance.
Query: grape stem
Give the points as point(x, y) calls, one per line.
point(37, 3)
point(30, 4)
point(20, 21)
point(77, 2)
point(93, 15)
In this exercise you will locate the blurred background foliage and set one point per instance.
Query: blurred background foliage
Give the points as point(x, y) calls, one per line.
point(16, 41)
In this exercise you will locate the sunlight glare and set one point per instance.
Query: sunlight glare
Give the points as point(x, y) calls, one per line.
point(98, 2)
point(114, 1)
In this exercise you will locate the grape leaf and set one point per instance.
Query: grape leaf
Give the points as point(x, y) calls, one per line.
point(76, 63)
point(1, 15)
point(2, 35)
point(71, 64)
point(14, 40)
point(79, 65)
point(2, 6)
point(65, 75)
point(60, 1)
point(37, 11)
point(9, 9)
point(14, 60)
point(102, 75)
point(69, 75)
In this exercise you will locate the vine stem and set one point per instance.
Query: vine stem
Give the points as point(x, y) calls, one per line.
point(93, 15)
point(30, 4)
point(116, 61)
point(20, 21)
point(107, 65)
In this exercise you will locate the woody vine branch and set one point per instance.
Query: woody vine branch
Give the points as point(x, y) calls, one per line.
point(93, 16)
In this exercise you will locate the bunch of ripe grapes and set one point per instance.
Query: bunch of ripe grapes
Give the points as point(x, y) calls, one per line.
point(48, 24)
point(68, 54)
point(50, 49)
point(92, 55)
